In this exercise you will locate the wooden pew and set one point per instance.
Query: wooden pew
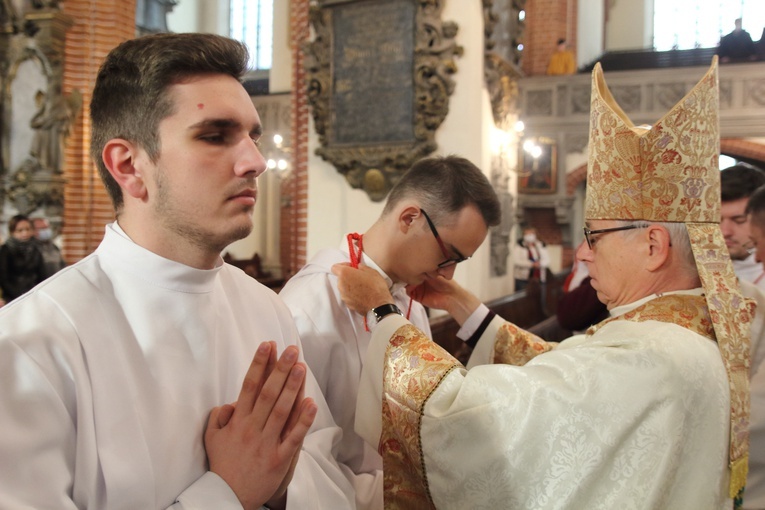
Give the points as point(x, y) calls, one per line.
point(531, 309)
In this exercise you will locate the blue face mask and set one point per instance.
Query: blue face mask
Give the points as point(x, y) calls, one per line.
point(45, 234)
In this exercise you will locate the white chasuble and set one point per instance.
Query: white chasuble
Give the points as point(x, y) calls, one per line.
point(634, 415)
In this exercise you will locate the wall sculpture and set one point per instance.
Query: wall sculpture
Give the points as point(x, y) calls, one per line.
point(379, 81)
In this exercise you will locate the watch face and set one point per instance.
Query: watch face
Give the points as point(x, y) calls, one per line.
point(382, 311)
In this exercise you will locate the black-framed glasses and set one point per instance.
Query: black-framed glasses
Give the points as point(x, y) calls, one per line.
point(588, 232)
point(450, 261)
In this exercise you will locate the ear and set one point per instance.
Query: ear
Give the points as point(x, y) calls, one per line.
point(659, 246)
point(122, 160)
point(406, 217)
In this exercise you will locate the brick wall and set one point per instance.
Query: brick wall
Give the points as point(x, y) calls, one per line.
point(546, 22)
point(294, 217)
point(99, 26)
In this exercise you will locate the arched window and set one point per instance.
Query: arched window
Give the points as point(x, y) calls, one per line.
point(686, 24)
point(251, 21)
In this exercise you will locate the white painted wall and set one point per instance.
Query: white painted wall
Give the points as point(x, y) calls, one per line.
point(589, 33)
point(280, 76)
point(199, 16)
point(630, 25)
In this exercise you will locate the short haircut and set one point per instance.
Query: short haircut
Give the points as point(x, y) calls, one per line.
point(755, 207)
point(15, 220)
point(740, 181)
point(130, 96)
point(445, 185)
point(561, 41)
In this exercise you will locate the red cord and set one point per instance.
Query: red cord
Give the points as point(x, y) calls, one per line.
point(356, 254)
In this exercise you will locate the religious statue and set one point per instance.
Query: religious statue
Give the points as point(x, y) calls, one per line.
point(151, 15)
point(55, 113)
point(8, 17)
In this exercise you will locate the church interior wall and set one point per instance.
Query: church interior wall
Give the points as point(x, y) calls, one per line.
point(629, 25)
point(333, 208)
point(589, 41)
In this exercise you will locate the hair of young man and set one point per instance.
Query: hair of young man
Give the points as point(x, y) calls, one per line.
point(679, 239)
point(755, 207)
point(444, 185)
point(739, 181)
point(15, 220)
point(130, 96)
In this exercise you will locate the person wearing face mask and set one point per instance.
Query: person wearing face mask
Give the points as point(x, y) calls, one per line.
point(531, 259)
point(21, 263)
point(51, 254)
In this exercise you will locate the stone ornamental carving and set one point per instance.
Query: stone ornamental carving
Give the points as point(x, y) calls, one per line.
point(33, 102)
point(502, 32)
point(379, 81)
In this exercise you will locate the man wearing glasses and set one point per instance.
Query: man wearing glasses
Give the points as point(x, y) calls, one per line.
point(435, 217)
point(649, 409)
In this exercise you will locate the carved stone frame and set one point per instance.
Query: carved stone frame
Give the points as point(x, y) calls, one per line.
point(36, 36)
point(376, 167)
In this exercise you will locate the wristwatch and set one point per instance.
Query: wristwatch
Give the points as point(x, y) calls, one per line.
point(381, 311)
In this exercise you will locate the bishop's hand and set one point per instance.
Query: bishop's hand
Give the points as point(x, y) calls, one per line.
point(361, 289)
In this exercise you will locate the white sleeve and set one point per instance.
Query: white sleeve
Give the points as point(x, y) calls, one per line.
point(209, 491)
point(38, 434)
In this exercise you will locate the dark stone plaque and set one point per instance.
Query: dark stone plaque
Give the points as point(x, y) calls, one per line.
point(372, 98)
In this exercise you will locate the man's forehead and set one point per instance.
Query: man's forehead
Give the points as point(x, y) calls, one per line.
point(214, 96)
point(736, 207)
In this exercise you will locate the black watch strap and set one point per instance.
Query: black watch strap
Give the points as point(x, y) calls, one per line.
point(383, 310)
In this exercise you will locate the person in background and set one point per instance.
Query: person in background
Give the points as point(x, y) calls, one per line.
point(754, 497)
point(737, 183)
point(150, 374)
point(21, 263)
point(737, 46)
point(562, 61)
point(648, 410)
point(52, 258)
point(530, 259)
point(435, 217)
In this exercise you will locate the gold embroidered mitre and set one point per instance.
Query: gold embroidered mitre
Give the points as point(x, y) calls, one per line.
point(669, 172)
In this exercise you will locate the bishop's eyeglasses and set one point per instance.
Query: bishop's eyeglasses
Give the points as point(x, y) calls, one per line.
point(591, 242)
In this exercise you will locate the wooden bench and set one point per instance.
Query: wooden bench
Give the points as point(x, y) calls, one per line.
point(531, 309)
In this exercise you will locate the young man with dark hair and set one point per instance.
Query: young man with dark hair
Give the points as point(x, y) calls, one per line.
point(109, 370)
point(737, 183)
point(435, 217)
point(755, 490)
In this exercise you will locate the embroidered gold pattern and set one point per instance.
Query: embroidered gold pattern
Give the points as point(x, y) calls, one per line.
point(732, 316)
point(689, 312)
point(657, 174)
point(407, 388)
point(515, 346)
